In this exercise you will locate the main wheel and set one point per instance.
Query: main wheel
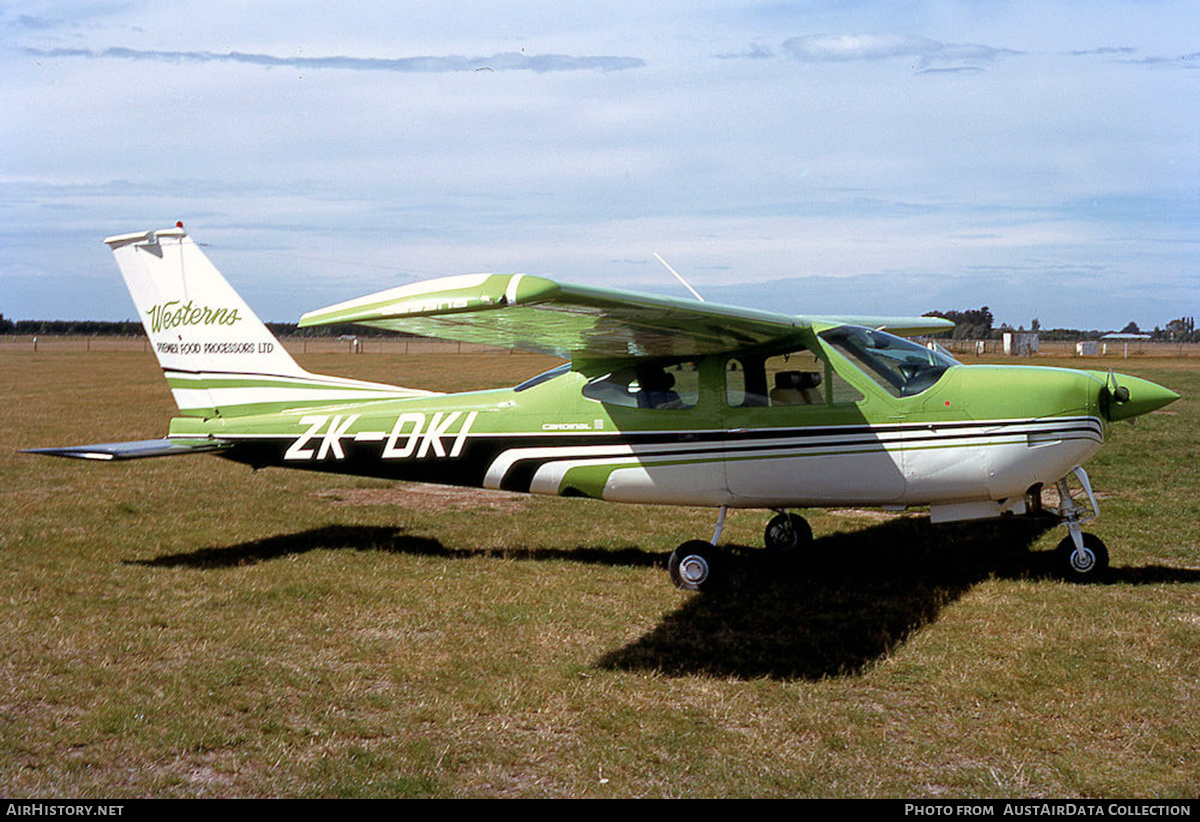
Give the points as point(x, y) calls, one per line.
point(1088, 566)
point(691, 565)
point(787, 532)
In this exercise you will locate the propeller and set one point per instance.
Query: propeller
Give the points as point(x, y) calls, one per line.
point(1118, 393)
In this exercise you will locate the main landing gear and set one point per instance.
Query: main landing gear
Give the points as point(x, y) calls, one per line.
point(1080, 557)
point(692, 565)
point(787, 533)
point(696, 565)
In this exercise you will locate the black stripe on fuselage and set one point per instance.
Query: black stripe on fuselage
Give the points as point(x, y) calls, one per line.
point(480, 451)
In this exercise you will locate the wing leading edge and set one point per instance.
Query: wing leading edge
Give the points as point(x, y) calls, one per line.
point(572, 321)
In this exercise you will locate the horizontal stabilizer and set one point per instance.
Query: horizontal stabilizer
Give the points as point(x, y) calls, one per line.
point(140, 449)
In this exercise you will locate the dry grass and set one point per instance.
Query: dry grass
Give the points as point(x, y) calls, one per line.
point(184, 627)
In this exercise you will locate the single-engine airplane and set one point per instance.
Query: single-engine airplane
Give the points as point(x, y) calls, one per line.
point(662, 400)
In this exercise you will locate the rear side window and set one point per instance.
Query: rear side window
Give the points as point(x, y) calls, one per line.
point(655, 386)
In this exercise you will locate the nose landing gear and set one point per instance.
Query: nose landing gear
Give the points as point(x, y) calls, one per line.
point(1080, 557)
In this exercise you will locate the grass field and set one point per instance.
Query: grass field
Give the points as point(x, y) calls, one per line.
point(186, 627)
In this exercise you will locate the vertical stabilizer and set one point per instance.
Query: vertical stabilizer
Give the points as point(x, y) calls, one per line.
point(195, 320)
point(218, 357)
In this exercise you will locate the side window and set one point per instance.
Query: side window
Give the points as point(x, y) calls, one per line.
point(793, 378)
point(658, 386)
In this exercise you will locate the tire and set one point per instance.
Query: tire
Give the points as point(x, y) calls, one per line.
point(787, 533)
point(692, 565)
point(1094, 563)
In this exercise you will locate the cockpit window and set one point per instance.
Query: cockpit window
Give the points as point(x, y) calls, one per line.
point(671, 387)
point(902, 367)
point(791, 378)
point(557, 371)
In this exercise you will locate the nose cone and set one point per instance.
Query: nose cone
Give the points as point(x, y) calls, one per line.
point(1132, 396)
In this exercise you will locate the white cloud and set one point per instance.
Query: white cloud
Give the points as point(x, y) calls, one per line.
point(505, 61)
point(294, 135)
point(927, 52)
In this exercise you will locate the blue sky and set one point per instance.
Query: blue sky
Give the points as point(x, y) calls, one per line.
point(1039, 158)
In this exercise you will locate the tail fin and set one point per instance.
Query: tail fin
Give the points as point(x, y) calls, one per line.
point(219, 358)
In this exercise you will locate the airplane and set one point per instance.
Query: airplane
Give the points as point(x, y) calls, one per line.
point(661, 400)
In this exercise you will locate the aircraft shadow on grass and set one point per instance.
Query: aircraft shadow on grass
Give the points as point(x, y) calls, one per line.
point(842, 606)
point(387, 539)
point(849, 601)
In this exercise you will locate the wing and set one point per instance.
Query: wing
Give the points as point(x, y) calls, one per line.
point(140, 449)
point(571, 321)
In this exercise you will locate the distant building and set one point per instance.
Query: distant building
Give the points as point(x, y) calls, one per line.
point(1123, 337)
point(1020, 343)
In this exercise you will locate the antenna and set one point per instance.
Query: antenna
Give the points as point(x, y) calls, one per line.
point(679, 277)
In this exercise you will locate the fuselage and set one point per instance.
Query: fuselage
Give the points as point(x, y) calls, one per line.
point(663, 401)
point(837, 429)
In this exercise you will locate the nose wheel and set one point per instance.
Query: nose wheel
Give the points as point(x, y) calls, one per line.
point(1086, 562)
point(1080, 557)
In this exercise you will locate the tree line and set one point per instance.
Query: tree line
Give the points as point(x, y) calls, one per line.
point(979, 324)
point(133, 328)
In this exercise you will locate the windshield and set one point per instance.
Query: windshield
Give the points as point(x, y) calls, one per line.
point(902, 367)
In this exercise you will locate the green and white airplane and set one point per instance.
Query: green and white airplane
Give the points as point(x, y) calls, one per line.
point(662, 400)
